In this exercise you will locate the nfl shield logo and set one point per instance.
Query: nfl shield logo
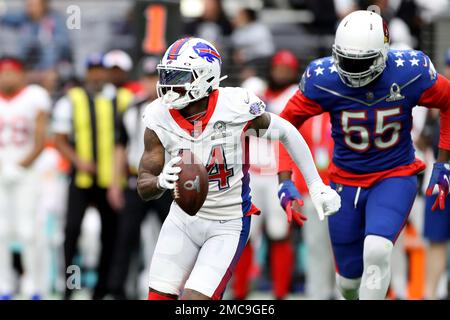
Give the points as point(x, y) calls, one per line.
point(256, 108)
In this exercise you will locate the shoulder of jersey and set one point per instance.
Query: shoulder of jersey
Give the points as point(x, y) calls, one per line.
point(320, 72)
point(241, 101)
point(36, 89)
point(410, 63)
point(154, 111)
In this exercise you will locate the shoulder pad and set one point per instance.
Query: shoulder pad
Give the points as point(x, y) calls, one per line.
point(413, 62)
point(242, 102)
point(318, 72)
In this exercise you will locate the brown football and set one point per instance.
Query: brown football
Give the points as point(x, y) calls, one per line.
point(191, 188)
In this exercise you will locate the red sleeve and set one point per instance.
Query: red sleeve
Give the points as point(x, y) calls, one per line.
point(298, 109)
point(438, 96)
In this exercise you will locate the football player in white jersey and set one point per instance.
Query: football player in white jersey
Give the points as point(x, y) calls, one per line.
point(23, 119)
point(195, 255)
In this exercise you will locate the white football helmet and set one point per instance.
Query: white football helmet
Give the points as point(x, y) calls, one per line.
point(189, 71)
point(360, 48)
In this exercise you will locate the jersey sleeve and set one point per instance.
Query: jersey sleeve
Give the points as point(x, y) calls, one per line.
point(243, 104)
point(436, 94)
point(152, 117)
point(300, 108)
point(41, 99)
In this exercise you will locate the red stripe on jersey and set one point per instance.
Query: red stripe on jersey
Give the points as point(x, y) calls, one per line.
point(188, 126)
point(366, 180)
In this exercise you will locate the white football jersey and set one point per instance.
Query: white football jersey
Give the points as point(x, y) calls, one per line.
point(17, 122)
point(218, 142)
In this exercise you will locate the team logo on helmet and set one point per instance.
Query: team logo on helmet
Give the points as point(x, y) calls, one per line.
point(207, 52)
point(386, 32)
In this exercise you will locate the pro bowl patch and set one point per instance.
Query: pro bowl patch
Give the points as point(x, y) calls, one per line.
point(257, 108)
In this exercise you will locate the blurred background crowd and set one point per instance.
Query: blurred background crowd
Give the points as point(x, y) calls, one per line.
point(92, 67)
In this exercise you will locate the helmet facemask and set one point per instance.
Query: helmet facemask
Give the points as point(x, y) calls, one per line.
point(358, 69)
point(178, 86)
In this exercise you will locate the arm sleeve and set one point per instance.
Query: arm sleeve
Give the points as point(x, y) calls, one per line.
point(151, 119)
point(290, 137)
point(298, 109)
point(438, 96)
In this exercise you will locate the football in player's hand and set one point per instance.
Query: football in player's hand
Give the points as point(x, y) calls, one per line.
point(191, 188)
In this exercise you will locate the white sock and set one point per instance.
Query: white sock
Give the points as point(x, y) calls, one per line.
point(377, 268)
point(349, 288)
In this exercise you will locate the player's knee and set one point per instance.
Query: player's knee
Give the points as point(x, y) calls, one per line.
point(165, 286)
point(189, 294)
point(348, 287)
point(377, 251)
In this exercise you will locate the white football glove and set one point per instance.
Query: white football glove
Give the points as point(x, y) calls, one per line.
point(325, 200)
point(169, 174)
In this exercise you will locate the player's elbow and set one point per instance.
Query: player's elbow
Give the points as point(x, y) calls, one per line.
point(142, 191)
point(282, 129)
